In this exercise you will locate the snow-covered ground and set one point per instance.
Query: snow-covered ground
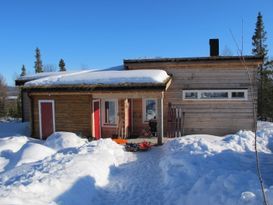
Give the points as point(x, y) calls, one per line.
point(196, 169)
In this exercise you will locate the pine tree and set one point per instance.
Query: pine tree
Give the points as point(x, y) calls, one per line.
point(38, 63)
point(259, 38)
point(265, 98)
point(23, 73)
point(62, 65)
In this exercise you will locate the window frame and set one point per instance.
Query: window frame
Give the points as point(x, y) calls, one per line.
point(229, 91)
point(103, 113)
point(144, 100)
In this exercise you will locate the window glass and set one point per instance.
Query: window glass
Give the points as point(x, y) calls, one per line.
point(214, 95)
point(110, 112)
point(238, 95)
point(150, 109)
point(225, 94)
point(191, 95)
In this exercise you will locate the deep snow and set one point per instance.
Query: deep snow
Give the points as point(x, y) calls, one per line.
point(195, 169)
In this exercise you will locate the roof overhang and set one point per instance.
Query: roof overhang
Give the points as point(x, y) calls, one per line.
point(197, 59)
point(103, 87)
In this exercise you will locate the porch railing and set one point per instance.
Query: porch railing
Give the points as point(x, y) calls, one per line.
point(176, 118)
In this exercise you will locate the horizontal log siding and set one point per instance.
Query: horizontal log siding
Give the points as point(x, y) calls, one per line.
point(72, 113)
point(212, 117)
point(26, 107)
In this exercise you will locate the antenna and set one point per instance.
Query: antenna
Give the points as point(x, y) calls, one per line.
point(236, 43)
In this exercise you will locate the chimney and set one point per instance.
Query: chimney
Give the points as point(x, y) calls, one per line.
point(214, 47)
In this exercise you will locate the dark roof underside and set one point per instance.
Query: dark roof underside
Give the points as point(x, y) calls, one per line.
point(91, 88)
point(195, 59)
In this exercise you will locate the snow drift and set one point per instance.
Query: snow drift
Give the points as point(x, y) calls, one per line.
point(213, 170)
point(61, 140)
point(70, 176)
point(195, 169)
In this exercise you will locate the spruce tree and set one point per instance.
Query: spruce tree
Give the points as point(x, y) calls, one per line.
point(38, 63)
point(62, 65)
point(23, 73)
point(265, 98)
point(259, 38)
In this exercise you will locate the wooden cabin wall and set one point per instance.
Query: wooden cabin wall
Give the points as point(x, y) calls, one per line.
point(72, 113)
point(212, 117)
point(25, 107)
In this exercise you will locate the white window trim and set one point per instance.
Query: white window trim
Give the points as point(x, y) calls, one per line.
point(103, 113)
point(229, 91)
point(40, 115)
point(144, 108)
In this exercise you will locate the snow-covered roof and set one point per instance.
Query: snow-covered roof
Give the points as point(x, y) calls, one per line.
point(23, 79)
point(108, 77)
point(40, 75)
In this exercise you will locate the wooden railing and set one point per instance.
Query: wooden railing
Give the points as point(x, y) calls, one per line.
point(176, 118)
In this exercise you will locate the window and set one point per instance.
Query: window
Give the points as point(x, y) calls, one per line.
point(191, 95)
point(215, 94)
point(149, 109)
point(238, 95)
point(110, 109)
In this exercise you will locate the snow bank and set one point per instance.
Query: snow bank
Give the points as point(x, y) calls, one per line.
point(103, 78)
point(15, 151)
point(12, 143)
point(61, 140)
point(33, 152)
point(213, 170)
point(71, 176)
point(190, 170)
point(3, 163)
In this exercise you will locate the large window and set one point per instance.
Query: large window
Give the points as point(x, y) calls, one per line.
point(227, 94)
point(110, 109)
point(149, 109)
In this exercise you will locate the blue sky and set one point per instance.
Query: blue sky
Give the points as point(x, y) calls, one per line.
point(100, 34)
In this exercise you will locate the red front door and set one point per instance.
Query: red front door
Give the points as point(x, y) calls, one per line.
point(96, 119)
point(46, 112)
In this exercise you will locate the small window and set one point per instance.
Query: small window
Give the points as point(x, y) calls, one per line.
point(110, 112)
point(150, 109)
point(239, 95)
point(191, 95)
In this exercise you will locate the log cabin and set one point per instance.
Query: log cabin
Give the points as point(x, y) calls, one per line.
point(208, 95)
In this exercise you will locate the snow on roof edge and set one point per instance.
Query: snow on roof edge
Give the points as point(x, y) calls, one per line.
point(103, 78)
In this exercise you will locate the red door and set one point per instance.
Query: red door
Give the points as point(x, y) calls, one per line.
point(46, 118)
point(96, 119)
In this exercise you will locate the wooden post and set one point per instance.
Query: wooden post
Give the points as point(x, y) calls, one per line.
point(160, 137)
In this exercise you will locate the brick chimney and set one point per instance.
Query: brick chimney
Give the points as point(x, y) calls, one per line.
point(214, 47)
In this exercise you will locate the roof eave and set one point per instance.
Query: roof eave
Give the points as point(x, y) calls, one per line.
point(195, 59)
point(91, 88)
